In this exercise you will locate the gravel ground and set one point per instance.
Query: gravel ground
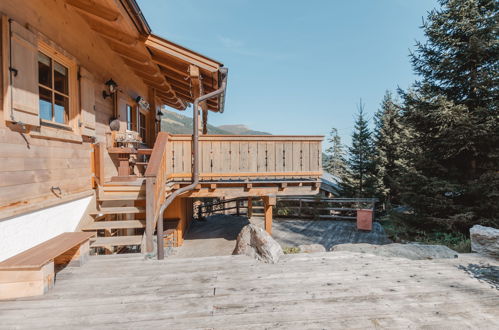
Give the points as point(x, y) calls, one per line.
point(217, 235)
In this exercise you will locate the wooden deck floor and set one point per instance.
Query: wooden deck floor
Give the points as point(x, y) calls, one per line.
point(327, 290)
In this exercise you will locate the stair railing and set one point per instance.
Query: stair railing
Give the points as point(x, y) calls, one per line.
point(156, 177)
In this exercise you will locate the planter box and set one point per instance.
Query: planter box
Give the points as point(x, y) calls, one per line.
point(365, 219)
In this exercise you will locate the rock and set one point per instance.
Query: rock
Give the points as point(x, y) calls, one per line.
point(310, 248)
point(485, 240)
point(409, 251)
point(255, 242)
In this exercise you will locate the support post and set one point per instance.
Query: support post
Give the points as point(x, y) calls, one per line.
point(205, 121)
point(150, 202)
point(250, 207)
point(238, 213)
point(268, 202)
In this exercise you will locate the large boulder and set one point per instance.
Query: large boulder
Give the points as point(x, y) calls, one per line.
point(485, 240)
point(310, 248)
point(255, 242)
point(409, 251)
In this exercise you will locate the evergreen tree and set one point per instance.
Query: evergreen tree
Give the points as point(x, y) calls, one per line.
point(335, 156)
point(357, 181)
point(390, 144)
point(452, 112)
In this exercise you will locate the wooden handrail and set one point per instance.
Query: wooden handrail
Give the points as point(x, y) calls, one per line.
point(157, 155)
point(156, 177)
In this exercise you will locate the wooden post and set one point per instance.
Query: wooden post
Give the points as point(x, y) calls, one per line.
point(250, 207)
point(150, 202)
point(299, 210)
point(268, 202)
point(237, 207)
point(99, 163)
point(205, 121)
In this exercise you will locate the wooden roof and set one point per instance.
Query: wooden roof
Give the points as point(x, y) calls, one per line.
point(161, 64)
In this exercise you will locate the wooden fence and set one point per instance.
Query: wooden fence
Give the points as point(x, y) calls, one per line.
point(247, 157)
point(291, 207)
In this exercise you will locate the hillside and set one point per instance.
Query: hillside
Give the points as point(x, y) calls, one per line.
point(241, 129)
point(177, 123)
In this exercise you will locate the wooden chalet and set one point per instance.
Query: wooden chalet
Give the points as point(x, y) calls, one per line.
point(83, 84)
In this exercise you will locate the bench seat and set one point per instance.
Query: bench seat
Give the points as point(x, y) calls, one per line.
point(31, 272)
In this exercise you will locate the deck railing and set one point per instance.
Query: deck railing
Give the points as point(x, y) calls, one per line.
point(246, 157)
point(156, 177)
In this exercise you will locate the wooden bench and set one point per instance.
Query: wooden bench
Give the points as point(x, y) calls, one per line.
point(31, 273)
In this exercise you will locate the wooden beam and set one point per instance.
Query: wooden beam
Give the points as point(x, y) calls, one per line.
point(160, 45)
point(268, 202)
point(95, 8)
point(147, 68)
point(250, 207)
point(131, 53)
point(109, 31)
point(205, 121)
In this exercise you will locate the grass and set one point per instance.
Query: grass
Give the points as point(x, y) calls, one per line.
point(402, 231)
point(291, 250)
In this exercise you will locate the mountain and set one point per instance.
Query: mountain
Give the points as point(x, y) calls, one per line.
point(241, 130)
point(176, 123)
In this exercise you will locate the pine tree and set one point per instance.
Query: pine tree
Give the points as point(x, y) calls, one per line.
point(390, 144)
point(335, 155)
point(453, 113)
point(358, 179)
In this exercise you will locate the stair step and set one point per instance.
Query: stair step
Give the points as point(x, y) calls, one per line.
point(120, 210)
point(130, 197)
point(116, 241)
point(122, 224)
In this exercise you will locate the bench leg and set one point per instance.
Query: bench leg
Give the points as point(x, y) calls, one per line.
point(26, 283)
point(75, 257)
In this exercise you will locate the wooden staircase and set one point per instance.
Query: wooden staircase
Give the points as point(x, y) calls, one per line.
point(119, 221)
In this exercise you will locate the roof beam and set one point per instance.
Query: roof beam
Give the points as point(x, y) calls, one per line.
point(109, 31)
point(95, 8)
point(156, 43)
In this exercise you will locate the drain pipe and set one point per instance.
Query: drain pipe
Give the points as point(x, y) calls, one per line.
point(195, 147)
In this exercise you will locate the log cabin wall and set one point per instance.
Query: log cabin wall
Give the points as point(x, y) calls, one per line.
point(36, 159)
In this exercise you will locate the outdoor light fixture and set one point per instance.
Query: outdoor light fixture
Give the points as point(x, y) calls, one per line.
point(142, 103)
point(112, 86)
point(160, 113)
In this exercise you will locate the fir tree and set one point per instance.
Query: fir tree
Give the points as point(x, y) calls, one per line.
point(452, 112)
point(390, 143)
point(357, 181)
point(335, 155)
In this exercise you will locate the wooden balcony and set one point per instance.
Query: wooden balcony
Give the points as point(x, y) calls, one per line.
point(246, 158)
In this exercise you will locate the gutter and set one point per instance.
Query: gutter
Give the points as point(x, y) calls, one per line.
point(195, 146)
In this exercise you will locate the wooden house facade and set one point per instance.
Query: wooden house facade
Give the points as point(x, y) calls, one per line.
point(83, 83)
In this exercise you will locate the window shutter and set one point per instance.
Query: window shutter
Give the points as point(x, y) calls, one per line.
point(87, 102)
point(21, 103)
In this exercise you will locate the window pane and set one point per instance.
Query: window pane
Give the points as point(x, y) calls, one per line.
point(60, 78)
point(61, 109)
point(45, 104)
point(128, 117)
point(44, 70)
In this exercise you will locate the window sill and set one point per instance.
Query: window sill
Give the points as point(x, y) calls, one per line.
point(56, 131)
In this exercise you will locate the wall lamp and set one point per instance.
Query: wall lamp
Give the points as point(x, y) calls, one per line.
point(112, 87)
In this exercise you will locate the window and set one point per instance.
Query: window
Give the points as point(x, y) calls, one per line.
point(142, 126)
point(53, 86)
point(131, 118)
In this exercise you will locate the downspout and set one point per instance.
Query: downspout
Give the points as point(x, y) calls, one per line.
point(195, 172)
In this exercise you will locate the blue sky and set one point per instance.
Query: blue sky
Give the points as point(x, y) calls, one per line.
point(298, 67)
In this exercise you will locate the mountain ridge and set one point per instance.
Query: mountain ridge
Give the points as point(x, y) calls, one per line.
point(176, 123)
